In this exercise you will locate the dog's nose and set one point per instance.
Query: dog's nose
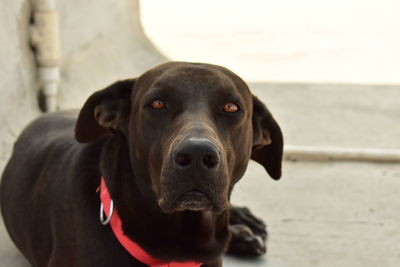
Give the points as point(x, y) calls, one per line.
point(197, 152)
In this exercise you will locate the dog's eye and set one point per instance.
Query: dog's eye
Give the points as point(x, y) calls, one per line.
point(157, 104)
point(231, 107)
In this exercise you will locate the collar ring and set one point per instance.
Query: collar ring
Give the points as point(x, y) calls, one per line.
point(110, 213)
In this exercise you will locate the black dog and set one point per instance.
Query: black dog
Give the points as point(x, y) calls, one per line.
point(170, 145)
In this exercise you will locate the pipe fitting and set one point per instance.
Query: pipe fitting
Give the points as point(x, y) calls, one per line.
point(45, 38)
point(310, 153)
point(44, 35)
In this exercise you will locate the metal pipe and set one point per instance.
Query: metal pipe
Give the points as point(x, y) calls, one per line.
point(44, 35)
point(340, 154)
point(44, 5)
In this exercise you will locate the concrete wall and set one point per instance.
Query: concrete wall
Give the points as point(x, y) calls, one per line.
point(17, 74)
point(101, 41)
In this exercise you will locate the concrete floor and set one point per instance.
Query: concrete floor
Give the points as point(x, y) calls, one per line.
point(321, 214)
point(332, 214)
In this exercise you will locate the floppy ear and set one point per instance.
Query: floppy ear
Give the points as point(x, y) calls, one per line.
point(104, 112)
point(267, 140)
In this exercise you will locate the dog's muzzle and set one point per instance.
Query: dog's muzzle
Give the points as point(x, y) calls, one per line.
point(190, 181)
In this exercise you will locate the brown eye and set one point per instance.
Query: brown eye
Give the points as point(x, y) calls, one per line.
point(157, 104)
point(231, 107)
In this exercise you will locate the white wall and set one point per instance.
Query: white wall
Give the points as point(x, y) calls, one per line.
point(17, 74)
point(101, 41)
point(346, 41)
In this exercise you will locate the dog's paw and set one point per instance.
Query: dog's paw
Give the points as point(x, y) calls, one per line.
point(245, 243)
point(244, 216)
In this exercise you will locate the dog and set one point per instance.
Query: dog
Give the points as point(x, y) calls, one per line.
point(169, 147)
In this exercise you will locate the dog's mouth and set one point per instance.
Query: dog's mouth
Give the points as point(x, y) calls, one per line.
point(193, 200)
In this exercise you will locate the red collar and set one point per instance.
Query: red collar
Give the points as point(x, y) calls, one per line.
point(133, 248)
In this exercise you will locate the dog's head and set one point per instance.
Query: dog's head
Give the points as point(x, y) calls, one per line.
point(191, 127)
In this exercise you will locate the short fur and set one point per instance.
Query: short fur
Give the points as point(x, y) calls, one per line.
point(48, 190)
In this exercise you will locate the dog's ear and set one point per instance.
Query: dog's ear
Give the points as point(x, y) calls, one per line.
point(105, 111)
point(267, 140)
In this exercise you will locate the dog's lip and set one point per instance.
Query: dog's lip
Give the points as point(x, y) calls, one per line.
point(194, 200)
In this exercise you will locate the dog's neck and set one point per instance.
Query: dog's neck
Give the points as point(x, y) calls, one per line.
point(144, 221)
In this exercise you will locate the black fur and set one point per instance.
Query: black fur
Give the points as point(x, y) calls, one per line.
point(175, 211)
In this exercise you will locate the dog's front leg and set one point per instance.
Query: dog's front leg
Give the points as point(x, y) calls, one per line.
point(249, 233)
